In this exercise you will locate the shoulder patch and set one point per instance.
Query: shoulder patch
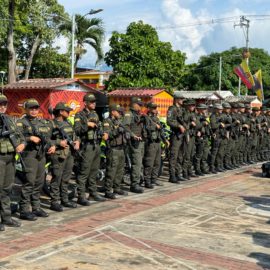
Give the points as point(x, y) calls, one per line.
point(127, 114)
point(77, 119)
point(18, 124)
point(106, 124)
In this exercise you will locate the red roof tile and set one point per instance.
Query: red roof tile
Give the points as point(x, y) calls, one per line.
point(39, 83)
point(139, 92)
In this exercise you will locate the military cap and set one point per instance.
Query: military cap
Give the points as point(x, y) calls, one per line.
point(89, 98)
point(218, 106)
point(137, 100)
point(202, 106)
point(226, 105)
point(178, 94)
point(3, 98)
point(241, 105)
point(247, 106)
point(255, 109)
point(31, 103)
point(151, 105)
point(189, 102)
point(62, 106)
point(116, 107)
point(234, 105)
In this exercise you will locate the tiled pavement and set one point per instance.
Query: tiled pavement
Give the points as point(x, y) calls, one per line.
point(214, 222)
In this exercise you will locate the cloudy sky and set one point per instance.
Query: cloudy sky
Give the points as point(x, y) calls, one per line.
point(182, 22)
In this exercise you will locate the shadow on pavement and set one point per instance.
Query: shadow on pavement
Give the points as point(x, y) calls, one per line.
point(260, 239)
point(262, 202)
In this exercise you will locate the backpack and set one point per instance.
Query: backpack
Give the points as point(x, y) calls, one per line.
point(266, 169)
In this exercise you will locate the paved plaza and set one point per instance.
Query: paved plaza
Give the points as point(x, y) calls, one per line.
point(214, 222)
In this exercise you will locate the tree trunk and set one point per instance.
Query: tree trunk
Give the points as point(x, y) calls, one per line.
point(10, 45)
point(30, 59)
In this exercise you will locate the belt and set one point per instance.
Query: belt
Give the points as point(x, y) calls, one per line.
point(118, 147)
point(6, 154)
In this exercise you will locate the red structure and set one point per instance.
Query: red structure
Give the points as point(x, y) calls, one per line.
point(48, 92)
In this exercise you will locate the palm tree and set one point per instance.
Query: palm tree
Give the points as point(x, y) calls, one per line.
point(87, 32)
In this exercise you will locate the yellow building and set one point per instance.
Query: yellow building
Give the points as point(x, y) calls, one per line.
point(93, 78)
point(157, 95)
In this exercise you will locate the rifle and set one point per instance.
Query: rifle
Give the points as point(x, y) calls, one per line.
point(43, 139)
point(9, 133)
point(70, 142)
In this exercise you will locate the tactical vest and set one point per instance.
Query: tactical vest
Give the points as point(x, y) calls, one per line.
point(137, 124)
point(119, 139)
point(5, 143)
point(153, 134)
point(68, 129)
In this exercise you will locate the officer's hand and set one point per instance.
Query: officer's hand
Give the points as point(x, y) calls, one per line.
point(76, 145)
point(105, 136)
point(137, 138)
point(199, 134)
point(182, 129)
point(51, 150)
point(121, 130)
point(222, 125)
point(167, 143)
point(205, 123)
point(193, 124)
point(92, 124)
point(63, 143)
point(35, 139)
point(20, 148)
point(158, 126)
point(245, 126)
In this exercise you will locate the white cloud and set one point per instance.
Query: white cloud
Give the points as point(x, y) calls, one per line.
point(187, 39)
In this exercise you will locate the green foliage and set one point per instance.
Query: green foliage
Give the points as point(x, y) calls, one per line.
point(205, 74)
point(139, 59)
point(48, 63)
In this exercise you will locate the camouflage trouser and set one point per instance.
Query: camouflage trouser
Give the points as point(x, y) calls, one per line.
point(201, 155)
point(188, 155)
point(215, 144)
point(34, 179)
point(221, 153)
point(7, 169)
point(88, 171)
point(115, 168)
point(61, 172)
point(176, 156)
point(136, 156)
point(151, 161)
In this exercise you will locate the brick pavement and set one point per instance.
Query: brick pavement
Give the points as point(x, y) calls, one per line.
point(85, 223)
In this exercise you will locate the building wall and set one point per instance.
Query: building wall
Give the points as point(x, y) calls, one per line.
point(163, 99)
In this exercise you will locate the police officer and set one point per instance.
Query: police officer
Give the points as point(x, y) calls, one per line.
point(62, 160)
point(11, 141)
point(202, 142)
point(134, 122)
point(87, 128)
point(175, 122)
point(191, 125)
point(37, 133)
point(115, 162)
point(152, 156)
point(217, 127)
point(225, 146)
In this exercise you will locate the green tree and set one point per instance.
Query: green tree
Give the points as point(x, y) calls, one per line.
point(205, 74)
point(140, 59)
point(48, 63)
point(88, 32)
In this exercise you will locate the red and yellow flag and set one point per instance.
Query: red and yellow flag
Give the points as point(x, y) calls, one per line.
point(258, 85)
point(244, 73)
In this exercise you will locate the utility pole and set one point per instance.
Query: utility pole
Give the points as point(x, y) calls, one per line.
point(244, 23)
point(220, 73)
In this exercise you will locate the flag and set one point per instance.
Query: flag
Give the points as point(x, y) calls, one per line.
point(258, 85)
point(244, 73)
